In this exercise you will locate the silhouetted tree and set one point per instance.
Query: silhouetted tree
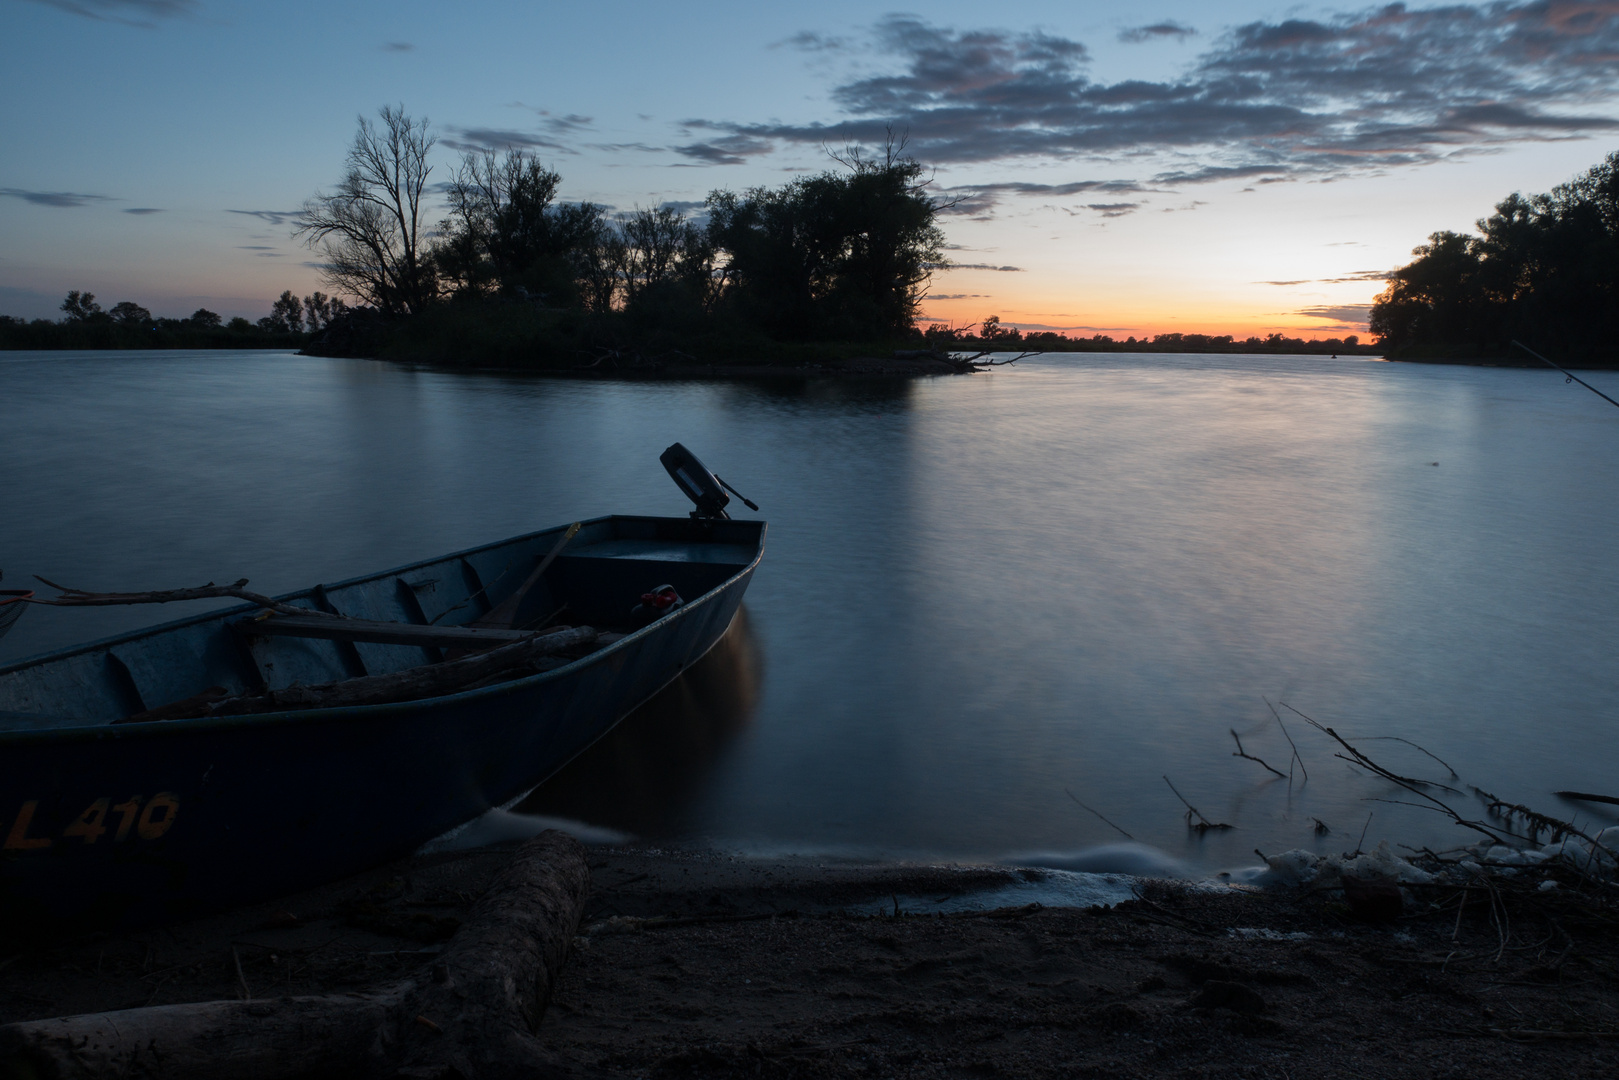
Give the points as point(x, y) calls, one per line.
point(370, 229)
point(205, 319)
point(992, 330)
point(506, 234)
point(81, 306)
point(129, 313)
point(664, 260)
point(320, 310)
point(286, 315)
point(843, 253)
point(1543, 268)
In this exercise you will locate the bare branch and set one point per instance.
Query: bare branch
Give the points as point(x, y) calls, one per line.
point(1098, 813)
point(82, 598)
point(1203, 824)
point(1243, 754)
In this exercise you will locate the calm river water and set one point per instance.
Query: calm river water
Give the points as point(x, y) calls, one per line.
point(982, 597)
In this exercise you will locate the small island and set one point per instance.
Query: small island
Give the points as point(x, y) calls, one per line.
point(826, 274)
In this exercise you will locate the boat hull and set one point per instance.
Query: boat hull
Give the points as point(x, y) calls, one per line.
point(146, 822)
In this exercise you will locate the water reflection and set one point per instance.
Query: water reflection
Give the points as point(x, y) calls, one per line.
point(978, 593)
point(646, 776)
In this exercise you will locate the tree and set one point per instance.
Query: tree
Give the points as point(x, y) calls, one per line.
point(81, 306)
point(1542, 269)
point(507, 235)
point(320, 310)
point(992, 330)
point(204, 319)
point(661, 254)
point(286, 315)
point(239, 325)
point(129, 313)
point(839, 253)
point(370, 229)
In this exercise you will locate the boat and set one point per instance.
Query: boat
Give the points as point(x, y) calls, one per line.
point(111, 813)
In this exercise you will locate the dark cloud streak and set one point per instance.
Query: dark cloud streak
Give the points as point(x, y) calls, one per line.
point(140, 13)
point(477, 139)
point(1156, 32)
point(54, 198)
point(273, 217)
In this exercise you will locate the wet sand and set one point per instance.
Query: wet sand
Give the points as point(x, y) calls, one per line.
point(699, 964)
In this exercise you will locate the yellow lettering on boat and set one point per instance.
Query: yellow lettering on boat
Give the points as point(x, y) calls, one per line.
point(92, 823)
point(152, 827)
point(18, 839)
point(129, 810)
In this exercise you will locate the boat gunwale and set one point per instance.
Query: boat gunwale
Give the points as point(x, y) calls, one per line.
point(176, 728)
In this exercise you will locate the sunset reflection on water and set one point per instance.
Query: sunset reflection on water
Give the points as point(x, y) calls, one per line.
point(977, 594)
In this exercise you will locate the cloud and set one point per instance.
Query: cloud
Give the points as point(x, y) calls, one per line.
point(144, 210)
point(808, 41)
point(1353, 92)
point(980, 266)
point(274, 217)
point(54, 198)
point(1358, 275)
point(476, 139)
point(1169, 28)
point(254, 247)
point(398, 47)
point(978, 200)
point(568, 124)
point(683, 206)
point(731, 150)
point(129, 12)
point(561, 125)
point(1114, 209)
point(960, 296)
point(1352, 314)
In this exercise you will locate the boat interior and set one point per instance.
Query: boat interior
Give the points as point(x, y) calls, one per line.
point(418, 615)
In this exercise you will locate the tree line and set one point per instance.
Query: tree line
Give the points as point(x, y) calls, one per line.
point(990, 334)
point(128, 325)
point(842, 255)
point(1543, 269)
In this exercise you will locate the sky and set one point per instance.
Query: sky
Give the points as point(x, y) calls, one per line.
point(1241, 167)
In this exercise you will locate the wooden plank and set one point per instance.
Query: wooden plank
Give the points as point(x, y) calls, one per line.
point(382, 633)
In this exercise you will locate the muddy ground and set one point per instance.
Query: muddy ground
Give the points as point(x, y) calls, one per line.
point(692, 964)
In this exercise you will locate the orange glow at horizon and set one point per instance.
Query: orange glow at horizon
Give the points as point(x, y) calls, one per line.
point(1139, 320)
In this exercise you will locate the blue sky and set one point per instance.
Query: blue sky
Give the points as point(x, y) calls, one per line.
point(1225, 167)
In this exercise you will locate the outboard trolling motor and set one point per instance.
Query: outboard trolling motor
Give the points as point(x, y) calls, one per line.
point(700, 486)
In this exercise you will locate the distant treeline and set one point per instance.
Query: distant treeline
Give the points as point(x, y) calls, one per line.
point(84, 325)
point(1543, 269)
point(990, 334)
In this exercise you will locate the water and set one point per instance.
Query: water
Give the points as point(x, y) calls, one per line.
point(982, 597)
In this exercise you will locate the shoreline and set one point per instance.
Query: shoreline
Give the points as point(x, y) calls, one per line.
point(702, 963)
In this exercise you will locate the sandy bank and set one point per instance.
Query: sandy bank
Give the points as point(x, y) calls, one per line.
point(692, 964)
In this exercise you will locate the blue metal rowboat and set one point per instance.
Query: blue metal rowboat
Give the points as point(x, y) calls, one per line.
point(105, 822)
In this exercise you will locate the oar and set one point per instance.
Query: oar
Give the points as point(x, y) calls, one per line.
point(503, 615)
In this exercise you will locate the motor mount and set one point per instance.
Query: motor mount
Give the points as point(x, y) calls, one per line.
point(699, 485)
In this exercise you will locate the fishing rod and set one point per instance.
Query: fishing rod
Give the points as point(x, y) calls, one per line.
point(1571, 376)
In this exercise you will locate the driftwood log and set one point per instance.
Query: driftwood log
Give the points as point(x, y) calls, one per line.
point(471, 1015)
point(429, 680)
